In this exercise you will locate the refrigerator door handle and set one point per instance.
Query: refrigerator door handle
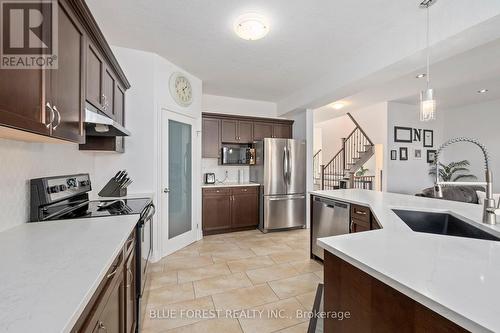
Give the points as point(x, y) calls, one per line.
point(289, 166)
point(285, 165)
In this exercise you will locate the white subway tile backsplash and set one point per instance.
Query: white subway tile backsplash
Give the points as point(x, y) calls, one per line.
point(22, 161)
point(210, 165)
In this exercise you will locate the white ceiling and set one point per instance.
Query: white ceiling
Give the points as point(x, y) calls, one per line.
point(456, 81)
point(308, 40)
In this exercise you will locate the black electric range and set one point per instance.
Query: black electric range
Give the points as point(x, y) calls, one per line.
point(66, 197)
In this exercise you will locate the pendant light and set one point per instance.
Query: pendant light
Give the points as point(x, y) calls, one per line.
point(427, 101)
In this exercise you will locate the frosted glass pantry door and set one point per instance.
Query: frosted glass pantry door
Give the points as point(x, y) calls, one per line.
point(177, 146)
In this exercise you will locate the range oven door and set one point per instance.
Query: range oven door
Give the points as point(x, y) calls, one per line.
point(144, 250)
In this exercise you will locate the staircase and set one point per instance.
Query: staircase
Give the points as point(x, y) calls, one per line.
point(317, 170)
point(340, 171)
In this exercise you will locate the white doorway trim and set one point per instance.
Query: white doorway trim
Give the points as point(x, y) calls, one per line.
point(166, 246)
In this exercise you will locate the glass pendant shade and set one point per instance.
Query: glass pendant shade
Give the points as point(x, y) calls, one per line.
point(427, 105)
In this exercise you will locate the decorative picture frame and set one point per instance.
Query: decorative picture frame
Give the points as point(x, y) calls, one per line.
point(394, 155)
point(428, 138)
point(403, 134)
point(431, 156)
point(403, 153)
point(417, 154)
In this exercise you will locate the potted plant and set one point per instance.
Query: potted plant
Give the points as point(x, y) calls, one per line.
point(453, 171)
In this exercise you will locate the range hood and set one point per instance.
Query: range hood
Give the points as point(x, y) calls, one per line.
point(97, 124)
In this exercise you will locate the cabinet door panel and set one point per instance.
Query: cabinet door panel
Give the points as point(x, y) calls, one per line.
point(245, 131)
point(282, 131)
point(94, 77)
point(130, 294)
point(262, 130)
point(111, 318)
point(229, 131)
point(359, 226)
point(216, 212)
point(108, 92)
point(119, 105)
point(245, 210)
point(66, 82)
point(22, 100)
point(210, 138)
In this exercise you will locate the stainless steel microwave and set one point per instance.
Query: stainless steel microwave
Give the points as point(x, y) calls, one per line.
point(238, 155)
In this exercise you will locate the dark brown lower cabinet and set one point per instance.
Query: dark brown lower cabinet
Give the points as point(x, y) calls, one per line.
point(230, 209)
point(372, 305)
point(112, 308)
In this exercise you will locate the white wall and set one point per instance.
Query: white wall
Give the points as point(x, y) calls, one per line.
point(411, 176)
point(479, 121)
point(238, 106)
point(22, 161)
point(146, 102)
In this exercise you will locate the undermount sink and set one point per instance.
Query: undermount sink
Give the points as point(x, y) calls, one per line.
point(441, 224)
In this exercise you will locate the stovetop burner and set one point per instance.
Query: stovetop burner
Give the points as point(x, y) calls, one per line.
point(98, 209)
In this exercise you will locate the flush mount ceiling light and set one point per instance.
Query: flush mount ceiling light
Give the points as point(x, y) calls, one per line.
point(427, 101)
point(420, 76)
point(482, 91)
point(251, 26)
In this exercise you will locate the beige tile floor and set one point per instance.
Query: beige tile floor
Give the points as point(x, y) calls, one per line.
point(263, 278)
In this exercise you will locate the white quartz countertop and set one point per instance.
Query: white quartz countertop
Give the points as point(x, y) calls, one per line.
point(228, 184)
point(50, 270)
point(456, 277)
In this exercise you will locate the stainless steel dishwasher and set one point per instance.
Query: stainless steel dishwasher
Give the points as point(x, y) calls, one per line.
point(330, 218)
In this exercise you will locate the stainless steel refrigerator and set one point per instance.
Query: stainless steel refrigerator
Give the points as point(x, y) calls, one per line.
point(280, 168)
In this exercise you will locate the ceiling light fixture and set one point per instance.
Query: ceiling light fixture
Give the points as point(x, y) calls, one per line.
point(427, 101)
point(338, 105)
point(251, 26)
point(482, 91)
point(420, 76)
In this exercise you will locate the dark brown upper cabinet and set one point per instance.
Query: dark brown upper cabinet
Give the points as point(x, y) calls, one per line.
point(66, 89)
point(210, 138)
point(237, 131)
point(229, 131)
point(108, 93)
point(245, 131)
point(50, 103)
point(282, 131)
point(219, 129)
point(262, 130)
point(95, 68)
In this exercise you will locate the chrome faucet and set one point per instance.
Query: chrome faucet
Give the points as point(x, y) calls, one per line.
point(490, 209)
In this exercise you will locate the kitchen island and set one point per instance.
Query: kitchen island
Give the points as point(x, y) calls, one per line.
point(51, 270)
point(401, 277)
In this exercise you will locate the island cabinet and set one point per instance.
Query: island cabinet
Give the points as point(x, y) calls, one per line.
point(113, 306)
point(48, 105)
point(228, 209)
point(373, 306)
point(362, 219)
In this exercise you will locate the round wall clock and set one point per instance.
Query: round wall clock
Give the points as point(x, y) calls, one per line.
point(180, 89)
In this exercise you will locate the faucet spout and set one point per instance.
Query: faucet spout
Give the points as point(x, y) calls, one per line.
point(490, 208)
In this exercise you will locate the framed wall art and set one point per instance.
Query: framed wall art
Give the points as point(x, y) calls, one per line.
point(428, 138)
point(403, 153)
point(403, 134)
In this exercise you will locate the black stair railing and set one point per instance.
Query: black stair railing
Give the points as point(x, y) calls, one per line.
point(338, 169)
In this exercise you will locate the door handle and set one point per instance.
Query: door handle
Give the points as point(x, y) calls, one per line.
point(58, 117)
point(166, 190)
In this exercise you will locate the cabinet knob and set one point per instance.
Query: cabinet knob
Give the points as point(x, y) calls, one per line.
point(101, 326)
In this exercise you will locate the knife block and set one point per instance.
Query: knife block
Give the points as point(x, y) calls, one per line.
point(113, 189)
